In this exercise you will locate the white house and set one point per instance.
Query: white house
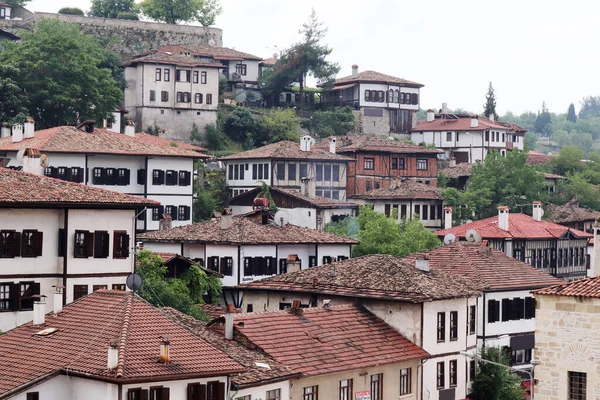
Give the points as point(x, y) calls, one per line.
point(428, 307)
point(5, 10)
point(60, 234)
point(467, 138)
point(128, 163)
point(385, 104)
point(244, 251)
point(111, 345)
point(313, 171)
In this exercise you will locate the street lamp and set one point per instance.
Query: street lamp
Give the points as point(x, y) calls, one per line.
point(530, 373)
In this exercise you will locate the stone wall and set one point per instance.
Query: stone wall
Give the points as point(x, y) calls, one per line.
point(125, 37)
point(567, 339)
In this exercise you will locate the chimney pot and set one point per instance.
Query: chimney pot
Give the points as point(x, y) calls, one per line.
point(58, 302)
point(305, 143)
point(17, 133)
point(538, 211)
point(293, 263)
point(422, 264)
point(113, 356)
point(354, 71)
point(503, 215)
point(296, 304)
point(28, 128)
point(430, 115)
point(447, 217)
point(475, 121)
point(229, 322)
point(165, 355)
point(332, 144)
point(39, 312)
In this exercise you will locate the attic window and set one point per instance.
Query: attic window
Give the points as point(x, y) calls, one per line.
point(262, 365)
point(46, 332)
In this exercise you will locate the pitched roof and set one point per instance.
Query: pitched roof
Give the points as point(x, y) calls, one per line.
point(326, 340)
point(254, 373)
point(376, 276)
point(287, 150)
point(490, 267)
point(460, 170)
point(317, 201)
point(408, 189)
point(587, 287)
point(69, 139)
point(462, 123)
point(243, 231)
point(571, 212)
point(353, 144)
point(18, 187)
point(168, 257)
point(269, 61)
point(536, 158)
point(158, 141)
point(162, 57)
point(376, 77)
point(85, 329)
point(520, 226)
point(218, 53)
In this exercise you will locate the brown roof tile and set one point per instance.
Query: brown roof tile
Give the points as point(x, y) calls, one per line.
point(587, 287)
point(377, 143)
point(327, 340)
point(536, 158)
point(242, 231)
point(458, 171)
point(85, 329)
point(161, 57)
point(218, 53)
point(317, 201)
point(376, 276)
point(463, 123)
point(158, 141)
point(408, 189)
point(287, 150)
point(571, 212)
point(376, 77)
point(17, 187)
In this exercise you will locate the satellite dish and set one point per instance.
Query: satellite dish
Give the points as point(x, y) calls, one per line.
point(275, 55)
point(134, 282)
point(212, 43)
point(473, 236)
point(44, 162)
point(20, 155)
point(281, 218)
point(449, 238)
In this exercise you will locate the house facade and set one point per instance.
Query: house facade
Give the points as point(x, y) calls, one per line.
point(5, 10)
point(384, 104)
point(467, 138)
point(287, 165)
point(121, 162)
point(573, 216)
point(58, 234)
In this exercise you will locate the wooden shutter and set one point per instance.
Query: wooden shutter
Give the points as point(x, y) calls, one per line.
point(16, 244)
point(117, 244)
point(38, 239)
point(165, 394)
point(79, 174)
point(187, 213)
point(174, 213)
point(144, 394)
point(247, 261)
point(54, 172)
point(141, 176)
point(62, 242)
point(15, 293)
point(35, 288)
point(68, 173)
point(221, 391)
point(161, 177)
point(125, 245)
point(89, 244)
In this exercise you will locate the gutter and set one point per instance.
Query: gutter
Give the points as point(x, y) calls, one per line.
point(29, 384)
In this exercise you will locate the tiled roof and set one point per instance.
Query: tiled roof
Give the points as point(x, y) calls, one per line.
point(490, 267)
point(161, 57)
point(376, 276)
point(269, 61)
point(317, 201)
point(85, 329)
point(287, 150)
point(587, 287)
point(254, 374)
point(513, 127)
point(215, 311)
point(69, 139)
point(18, 187)
point(460, 124)
point(520, 226)
point(243, 231)
point(553, 176)
point(327, 340)
point(408, 189)
point(458, 171)
point(353, 144)
point(376, 77)
point(218, 53)
point(158, 141)
point(571, 212)
point(536, 158)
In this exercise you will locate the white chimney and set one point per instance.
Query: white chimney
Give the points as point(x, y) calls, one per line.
point(430, 115)
point(17, 133)
point(305, 143)
point(475, 121)
point(452, 162)
point(308, 187)
point(503, 212)
point(447, 217)
point(332, 145)
point(492, 117)
point(32, 162)
point(58, 302)
point(595, 262)
point(28, 128)
point(444, 108)
point(229, 322)
point(4, 131)
point(226, 219)
point(113, 356)
point(39, 312)
point(538, 211)
point(130, 128)
point(354, 71)
point(116, 124)
point(422, 264)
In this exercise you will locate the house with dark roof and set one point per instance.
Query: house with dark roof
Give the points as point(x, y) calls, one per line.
point(58, 234)
point(244, 251)
point(555, 249)
point(467, 138)
point(129, 163)
point(457, 174)
point(111, 344)
point(573, 216)
point(427, 306)
point(384, 104)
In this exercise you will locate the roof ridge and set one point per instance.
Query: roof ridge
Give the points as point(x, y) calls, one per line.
point(124, 333)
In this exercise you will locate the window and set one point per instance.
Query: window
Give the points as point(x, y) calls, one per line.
point(33, 396)
point(453, 325)
point(577, 385)
point(425, 214)
point(377, 387)
point(381, 96)
point(303, 171)
point(417, 210)
point(292, 172)
point(529, 307)
point(203, 77)
point(441, 326)
point(368, 186)
point(405, 381)
point(319, 172)
point(184, 213)
point(401, 163)
point(226, 266)
point(390, 96)
point(312, 261)
point(280, 171)
point(182, 75)
point(101, 244)
point(507, 310)
point(240, 69)
point(157, 75)
point(157, 213)
point(153, 95)
point(367, 95)
point(110, 177)
point(254, 171)
point(123, 177)
point(215, 391)
point(327, 172)
point(209, 98)
point(448, 136)
point(84, 242)
point(5, 296)
point(31, 245)
point(345, 389)
point(260, 266)
point(79, 291)
point(120, 244)
point(198, 98)
point(422, 164)
point(137, 394)
point(164, 96)
point(472, 370)
point(472, 319)
point(172, 211)
point(158, 177)
point(77, 174)
point(118, 286)
point(518, 308)
point(335, 194)
point(369, 163)
point(167, 75)
point(273, 394)
point(396, 95)
point(171, 178)
point(159, 393)
point(185, 178)
point(196, 391)
point(453, 373)
point(98, 176)
point(441, 377)
point(521, 356)
point(493, 311)
point(195, 77)
point(310, 393)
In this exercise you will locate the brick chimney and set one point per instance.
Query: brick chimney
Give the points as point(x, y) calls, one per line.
point(165, 350)
point(165, 222)
point(503, 213)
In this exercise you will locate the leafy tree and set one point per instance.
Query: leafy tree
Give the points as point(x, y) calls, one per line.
point(212, 194)
point(62, 74)
point(571, 116)
point(111, 8)
point(494, 382)
point(530, 141)
point(277, 125)
point(176, 11)
point(215, 139)
point(128, 15)
point(332, 123)
point(489, 108)
point(16, 3)
point(71, 11)
point(568, 160)
point(182, 293)
point(577, 187)
point(240, 125)
point(11, 95)
point(543, 122)
point(590, 107)
point(195, 134)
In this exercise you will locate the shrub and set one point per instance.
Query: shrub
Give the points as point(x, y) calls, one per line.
point(127, 15)
point(71, 11)
point(215, 140)
point(240, 124)
point(333, 123)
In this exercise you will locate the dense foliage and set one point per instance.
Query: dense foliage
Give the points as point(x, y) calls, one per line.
point(494, 382)
point(258, 129)
point(71, 11)
point(489, 108)
point(11, 95)
point(176, 11)
point(332, 123)
point(111, 8)
point(211, 193)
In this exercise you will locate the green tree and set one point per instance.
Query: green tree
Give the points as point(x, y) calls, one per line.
point(494, 382)
point(182, 293)
point(111, 8)
point(277, 125)
point(71, 11)
point(568, 160)
point(590, 107)
point(176, 11)
point(12, 99)
point(489, 108)
point(571, 116)
point(214, 138)
point(577, 187)
point(62, 74)
point(332, 123)
point(543, 122)
point(16, 3)
point(241, 125)
point(195, 136)
point(530, 141)
point(212, 194)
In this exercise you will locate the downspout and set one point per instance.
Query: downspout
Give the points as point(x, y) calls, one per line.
point(120, 392)
point(134, 241)
point(483, 323)
point(422, 324)
point(146, 190)
point(86, 170)
point(66, 255)
point(239, 272)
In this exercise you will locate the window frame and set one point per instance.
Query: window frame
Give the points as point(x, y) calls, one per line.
point(79, 292)
point(157, 74)
point(441, 327)
point(369, 163)
point(440, 375)
point(577, 385)
point(453, 326)
point(167, 75)
point(422, 164)
point(405, 381)
point(345, 389)
point(310, 392)
point(376, 386)
point(273, 394)
point(453, 373)
point(472, 319)
point(203, 76)
point(241, 69)
point(195, 76)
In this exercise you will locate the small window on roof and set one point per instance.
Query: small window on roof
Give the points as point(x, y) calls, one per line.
point(46, 332)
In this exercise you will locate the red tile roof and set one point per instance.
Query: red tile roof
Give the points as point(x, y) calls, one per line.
point(587, 287)
point(460, 124)
point(243, 231)
point(85, 329)
point(376, 276)
point(218, 53)
point(317, 201)
point(369, 143)
point(158, 141)
point(269, 61)
point(571, 212)
point(460, 170)
point(69, 139)
point(161, 57)
point(408, 189)
point(287, 150)
point(376, 77)
point(535, 158)
point(493, 269)
point(17, 187)
point(327, 340)
point(520, 226)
